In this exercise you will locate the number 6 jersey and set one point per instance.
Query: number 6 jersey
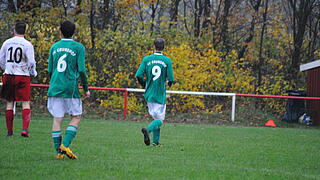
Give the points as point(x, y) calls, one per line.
point(157, 68)
point(17, 57)
point(66, 64)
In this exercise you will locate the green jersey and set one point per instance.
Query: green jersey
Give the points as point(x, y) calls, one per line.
point(157, 68)
point(66, 64)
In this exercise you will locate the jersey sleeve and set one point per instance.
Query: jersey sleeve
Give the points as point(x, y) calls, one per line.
point(81, 59)
point(84, 81)
point(31, 60)
point(50, 62)
point(3, 57)
point(170, 72)
point(82, 68)
point(141, 70)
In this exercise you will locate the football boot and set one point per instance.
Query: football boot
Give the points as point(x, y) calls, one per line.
point(146, 136)
point(67, 151)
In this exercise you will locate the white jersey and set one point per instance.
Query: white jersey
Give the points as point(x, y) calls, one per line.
point(17, 57)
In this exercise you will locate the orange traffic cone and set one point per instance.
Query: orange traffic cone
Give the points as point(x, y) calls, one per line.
point(270, 123)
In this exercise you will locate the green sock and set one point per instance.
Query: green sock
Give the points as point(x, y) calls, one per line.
point(70, 134)
point(156, 136)
point(57, 138)
point(155, 124)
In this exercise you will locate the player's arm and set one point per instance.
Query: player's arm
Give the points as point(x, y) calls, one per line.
point(50, 63)
point(140, 74)
point(141, 81)
point(170, 74)
point(31, 61)
point(3, 57)
point(84, 82)
point(82, 71)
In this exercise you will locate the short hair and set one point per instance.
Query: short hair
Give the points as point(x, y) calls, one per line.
point(20, 27)
point(67, 29)
point(159, 44)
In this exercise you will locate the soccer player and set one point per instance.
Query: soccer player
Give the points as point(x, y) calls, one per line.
point(66, 65)
point(17, 61)
point(157, 68)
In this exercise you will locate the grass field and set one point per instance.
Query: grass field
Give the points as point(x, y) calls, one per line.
point(115, 150)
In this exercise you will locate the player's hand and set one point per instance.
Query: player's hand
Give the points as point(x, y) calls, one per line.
point(87, 94)
point(170, 83)
point(33, 73)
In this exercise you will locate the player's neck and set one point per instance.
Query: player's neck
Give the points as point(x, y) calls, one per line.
point(19, 35)
point(158, 52)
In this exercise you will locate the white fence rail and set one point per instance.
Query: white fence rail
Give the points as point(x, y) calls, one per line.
point(233, 95)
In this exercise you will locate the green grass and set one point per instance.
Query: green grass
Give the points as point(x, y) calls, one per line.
point(115, 150)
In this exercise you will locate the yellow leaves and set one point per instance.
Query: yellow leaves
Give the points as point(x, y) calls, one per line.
point(317, 53)
point(92, 75)
point(204, 69)
point(134, 105)
point(115, 102)
point(120, 79)
point(125, 3)
point(216, 109)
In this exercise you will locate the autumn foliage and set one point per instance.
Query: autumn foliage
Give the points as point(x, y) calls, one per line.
point(212, 49)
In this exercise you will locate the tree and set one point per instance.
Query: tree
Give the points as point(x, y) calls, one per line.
point(300, 12)
point(207, 15)
point(225, 25)
point(261, 59)
point(153, 6)
point(255, 4)
point(11, 6)
point(174, 9)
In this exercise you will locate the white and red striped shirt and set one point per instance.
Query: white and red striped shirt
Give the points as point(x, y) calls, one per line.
point(17, 57)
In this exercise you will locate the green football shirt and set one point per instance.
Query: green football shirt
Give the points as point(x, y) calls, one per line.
point(157, 68)
point(66, 62)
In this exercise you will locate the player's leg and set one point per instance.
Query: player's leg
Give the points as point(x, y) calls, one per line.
point(8, 93)
point(22, 93)
point(75, 110)
point(26, 114)
point(56, 135)
point(56, 108)
point(157, 111)
point(155, 127)
point(71, 130)
point(9, 117)
point(156, 137)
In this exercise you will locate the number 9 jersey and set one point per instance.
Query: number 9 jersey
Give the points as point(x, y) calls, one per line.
point(66, 62)
point(17, 57)
point(157, 68)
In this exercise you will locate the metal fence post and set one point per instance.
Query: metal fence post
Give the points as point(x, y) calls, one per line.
point(233, 113)
point(125, 103)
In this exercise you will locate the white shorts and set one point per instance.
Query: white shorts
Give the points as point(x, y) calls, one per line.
point(157, 111)
point(58, 106)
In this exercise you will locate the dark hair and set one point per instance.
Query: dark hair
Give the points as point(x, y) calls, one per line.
point(67, 29)
point(159, 44)
point(20, 27)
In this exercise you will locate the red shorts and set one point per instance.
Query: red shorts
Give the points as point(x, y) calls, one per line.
point(15, 88)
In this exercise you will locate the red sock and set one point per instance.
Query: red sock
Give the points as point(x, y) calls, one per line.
point(9, 120)
point(26, 118)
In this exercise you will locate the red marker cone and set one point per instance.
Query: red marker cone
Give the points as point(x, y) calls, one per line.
point(270, 123)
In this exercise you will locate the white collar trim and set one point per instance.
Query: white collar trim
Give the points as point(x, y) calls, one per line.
point(67, 39)
point(158, 53)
